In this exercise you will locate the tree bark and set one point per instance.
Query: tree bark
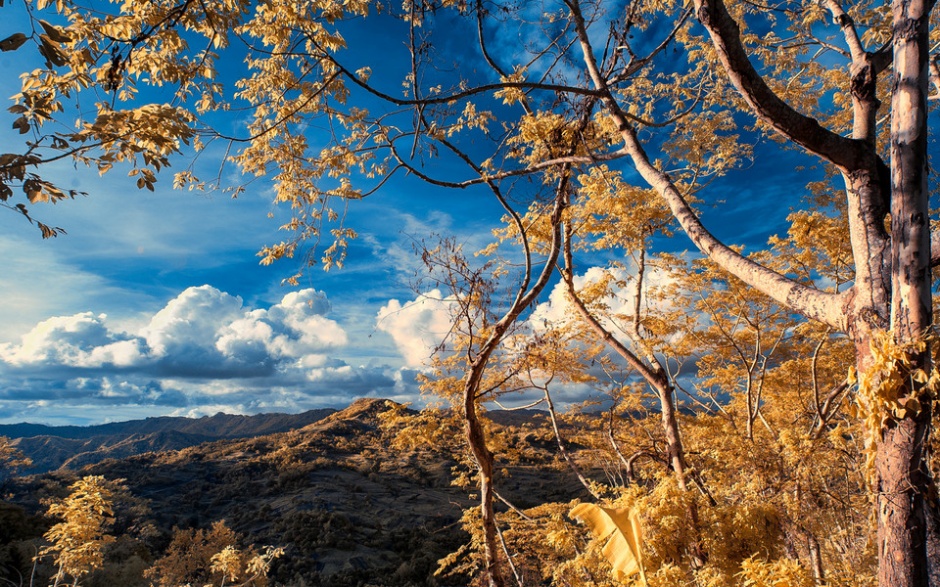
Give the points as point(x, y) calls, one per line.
point(902, 484)
point(484, 459)
point(475, 435)
point(902, 477)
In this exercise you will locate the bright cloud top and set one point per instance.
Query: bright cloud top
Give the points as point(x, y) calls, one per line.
point(204, 346)
point(418, 327)
point(558, 310)
point(81, 340)
point(203, 332)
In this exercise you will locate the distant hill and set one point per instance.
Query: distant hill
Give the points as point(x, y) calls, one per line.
point(52, 447)
point(350, 508)
point(217, 426)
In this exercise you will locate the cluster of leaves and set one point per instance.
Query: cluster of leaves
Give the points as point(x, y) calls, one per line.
point(211, 557)
point(11, 460)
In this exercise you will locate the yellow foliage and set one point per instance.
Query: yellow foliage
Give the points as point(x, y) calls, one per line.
point(78, 541)
point(778, 573)
point(620, 531)
point(227, 563)
point(211, 557)
point(893, 387)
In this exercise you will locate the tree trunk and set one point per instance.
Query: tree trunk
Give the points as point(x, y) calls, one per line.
point(671, 433)
point(902, 477)
point(902, 485)
point(484, 459)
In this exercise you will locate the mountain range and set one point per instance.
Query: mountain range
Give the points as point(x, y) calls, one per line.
point(72, 447)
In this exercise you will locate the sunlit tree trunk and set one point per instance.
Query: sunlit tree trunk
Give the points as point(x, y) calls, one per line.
point(529, 290)
point(484, 459)
point(902, 477)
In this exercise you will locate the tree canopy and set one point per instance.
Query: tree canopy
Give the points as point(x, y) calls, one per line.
point(602, 128)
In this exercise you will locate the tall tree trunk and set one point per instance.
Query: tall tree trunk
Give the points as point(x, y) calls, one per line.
point(527, 293)
point(902, 486)
point(902, 476)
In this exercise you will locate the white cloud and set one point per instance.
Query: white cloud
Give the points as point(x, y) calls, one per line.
point(82, 340)
point(301, 314)
point(418, 327)
point(621, 300)
point(205, 331)
point(123, 353)
point(203, 350)
point(191, 321)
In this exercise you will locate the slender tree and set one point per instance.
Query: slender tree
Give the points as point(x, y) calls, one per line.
point(79, 540)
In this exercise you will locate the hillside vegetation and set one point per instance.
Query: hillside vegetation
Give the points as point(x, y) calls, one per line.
point(378, 494)
point(349, 504)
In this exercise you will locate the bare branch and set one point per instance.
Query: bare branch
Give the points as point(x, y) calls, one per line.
point(802, 130)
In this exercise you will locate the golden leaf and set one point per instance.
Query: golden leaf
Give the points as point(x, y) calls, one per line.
point(620, 527)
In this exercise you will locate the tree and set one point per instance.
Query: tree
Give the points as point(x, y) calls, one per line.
point(211, 557)
point(594, 88)
point(78, 541)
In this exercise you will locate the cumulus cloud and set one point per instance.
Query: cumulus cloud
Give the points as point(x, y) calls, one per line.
point(202, 350)
point(558, 310)
point(82, 340)
point(206, 351)
point(189, 323)
point(418, 327)
point(203, 332)
point(207, 332)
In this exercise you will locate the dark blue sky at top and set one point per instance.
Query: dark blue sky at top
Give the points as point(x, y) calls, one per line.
point(151, 298)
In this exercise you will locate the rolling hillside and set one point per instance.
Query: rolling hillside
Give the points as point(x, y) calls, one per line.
point(349, 507)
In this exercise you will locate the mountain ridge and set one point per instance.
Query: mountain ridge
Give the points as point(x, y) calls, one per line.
point(158, 424)
point(72, 447)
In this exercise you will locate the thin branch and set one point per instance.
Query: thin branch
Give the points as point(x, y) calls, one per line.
point(561, 446)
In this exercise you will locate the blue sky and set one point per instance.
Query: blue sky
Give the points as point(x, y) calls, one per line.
point(155, 304)
point(129, 314)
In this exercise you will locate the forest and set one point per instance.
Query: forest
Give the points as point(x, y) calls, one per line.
point(765, 415)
